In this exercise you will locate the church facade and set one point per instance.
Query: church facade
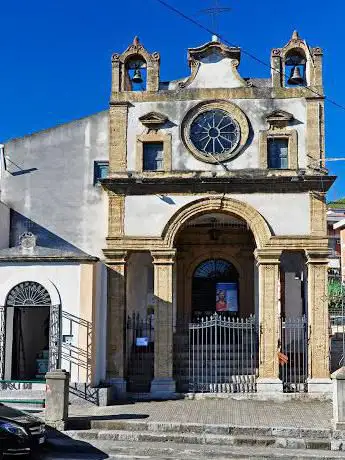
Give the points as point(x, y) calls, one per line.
point(199, 201)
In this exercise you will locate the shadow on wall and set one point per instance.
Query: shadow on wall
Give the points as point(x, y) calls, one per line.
point(20, 224)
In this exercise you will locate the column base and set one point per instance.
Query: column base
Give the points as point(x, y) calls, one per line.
point(163, 387)
point(322, 386)
point(269, 385)
point(119, 388)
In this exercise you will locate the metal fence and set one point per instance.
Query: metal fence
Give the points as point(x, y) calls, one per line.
point(140, 353)
point(219, 355)
point(293, 357)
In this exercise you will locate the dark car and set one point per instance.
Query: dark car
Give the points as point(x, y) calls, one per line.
point(20, 433)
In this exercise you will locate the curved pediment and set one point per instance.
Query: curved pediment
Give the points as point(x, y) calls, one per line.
point(279, 118)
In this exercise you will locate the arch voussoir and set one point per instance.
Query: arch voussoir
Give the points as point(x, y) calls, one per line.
point(254, 219)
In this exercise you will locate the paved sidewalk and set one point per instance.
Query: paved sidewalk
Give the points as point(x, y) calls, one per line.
point(298, 414)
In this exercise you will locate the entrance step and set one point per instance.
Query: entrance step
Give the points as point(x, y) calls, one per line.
point(220, 435)
point(26, 405)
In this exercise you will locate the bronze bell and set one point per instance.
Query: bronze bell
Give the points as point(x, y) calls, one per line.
point(295, 77)
point(137, 78)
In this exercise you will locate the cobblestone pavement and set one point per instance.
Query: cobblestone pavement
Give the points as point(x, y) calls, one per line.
point(300, 414)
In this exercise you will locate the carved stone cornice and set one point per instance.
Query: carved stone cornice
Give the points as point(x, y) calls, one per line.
point(267, 256)
point(317, 257)
point(163, 256)
point(115, 257)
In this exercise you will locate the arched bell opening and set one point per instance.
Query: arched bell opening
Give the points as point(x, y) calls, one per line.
point(214, 265)
point(26, 325)
point(295, 68)
point(135, 73)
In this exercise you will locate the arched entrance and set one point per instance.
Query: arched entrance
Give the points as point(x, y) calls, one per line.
point(26, 319)
point(215, 288)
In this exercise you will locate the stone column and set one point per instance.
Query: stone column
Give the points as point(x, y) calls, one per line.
point(163, 383)
point(318, 323)
point(269, 319)
point(116, 322)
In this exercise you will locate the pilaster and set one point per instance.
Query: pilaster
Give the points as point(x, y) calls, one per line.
point(118, 115)
point(163, 383)
point(318, 216)
point(116, 320)
point(269, 318)
point(116, 213)
point(318, 322)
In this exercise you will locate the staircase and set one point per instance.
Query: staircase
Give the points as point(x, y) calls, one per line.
point(216, 368)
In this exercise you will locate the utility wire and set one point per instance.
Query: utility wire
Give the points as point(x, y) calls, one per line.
point(249, 54)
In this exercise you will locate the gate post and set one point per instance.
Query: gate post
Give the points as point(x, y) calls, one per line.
point(318, 321)
point(57, 393)
point(163, 384)
point(116, 321)
point(268, 261)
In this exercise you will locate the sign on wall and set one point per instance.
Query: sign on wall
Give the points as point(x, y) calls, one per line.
point(226, 297)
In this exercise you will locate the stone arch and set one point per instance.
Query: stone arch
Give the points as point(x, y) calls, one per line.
point(254, 219)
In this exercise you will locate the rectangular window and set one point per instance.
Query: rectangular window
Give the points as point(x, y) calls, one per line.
point(100, 171)
point(277, 154)
point(153, 156)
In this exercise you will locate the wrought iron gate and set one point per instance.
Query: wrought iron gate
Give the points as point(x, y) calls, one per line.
point(222, 356)
point(2, 342)
point(140, 353)
point(294, 360)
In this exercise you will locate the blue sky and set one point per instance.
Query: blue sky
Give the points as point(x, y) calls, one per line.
point(55, 55)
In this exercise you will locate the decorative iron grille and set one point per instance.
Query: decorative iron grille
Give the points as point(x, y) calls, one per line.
point(2, 341)
point(55, 337)
point(294, 358)
point(140, 352)
point(219, 356)
point(27, 294)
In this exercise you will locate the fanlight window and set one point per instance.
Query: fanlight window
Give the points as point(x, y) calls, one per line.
point(29, 294)
point(214, 268)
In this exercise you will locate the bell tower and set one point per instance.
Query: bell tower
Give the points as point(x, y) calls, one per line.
point(135, 69)
point(297, 64)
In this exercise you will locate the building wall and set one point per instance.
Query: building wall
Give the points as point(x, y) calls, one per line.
point(4, 226)
point(49, 185)
point(286, 214)
point(255, 110)
point(64, 284)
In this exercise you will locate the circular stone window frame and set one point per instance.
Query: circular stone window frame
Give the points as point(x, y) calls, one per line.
point(233, 111)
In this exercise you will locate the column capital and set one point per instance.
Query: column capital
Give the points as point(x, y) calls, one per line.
point(317, 256)
point(267, 256)
point(163, 256)
point(115, 257)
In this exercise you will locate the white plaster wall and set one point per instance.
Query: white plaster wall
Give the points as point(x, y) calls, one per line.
point(4, 226)
point(216, 71)
point(65, 278)
point(285, 213)
point(182, 159)
point(50, 181)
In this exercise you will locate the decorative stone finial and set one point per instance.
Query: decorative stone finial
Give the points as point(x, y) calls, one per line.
point(27, 241)
point(136, 41)
point(295, 35)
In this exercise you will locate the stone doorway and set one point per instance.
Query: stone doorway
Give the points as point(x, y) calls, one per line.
point(212, 249)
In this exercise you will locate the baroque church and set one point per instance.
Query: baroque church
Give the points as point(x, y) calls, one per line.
point(176, 242)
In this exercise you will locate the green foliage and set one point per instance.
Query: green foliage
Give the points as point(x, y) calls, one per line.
point(336, 294)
